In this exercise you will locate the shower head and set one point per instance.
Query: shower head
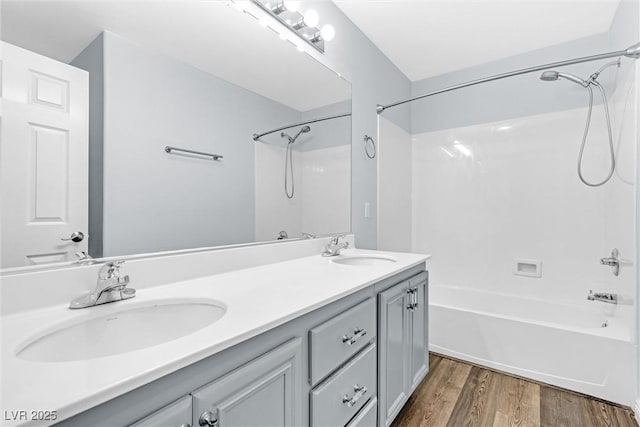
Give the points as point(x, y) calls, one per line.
point(302, 130)
point(549, 76)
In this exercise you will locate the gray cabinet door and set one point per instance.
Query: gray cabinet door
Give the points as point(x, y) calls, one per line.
point(393, 342)
point(265, 392)
point(419, 343)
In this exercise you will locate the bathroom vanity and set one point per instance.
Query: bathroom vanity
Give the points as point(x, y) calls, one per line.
point(310, 341)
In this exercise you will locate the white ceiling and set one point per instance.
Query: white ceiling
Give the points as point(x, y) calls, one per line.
point(425, 38)
point(209, 35)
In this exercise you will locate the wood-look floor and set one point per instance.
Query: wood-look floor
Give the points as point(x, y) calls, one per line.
point(455, 393)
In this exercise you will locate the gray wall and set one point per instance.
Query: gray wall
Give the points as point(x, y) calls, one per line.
point(91, 59)
point(154, 201)
point(374, 80)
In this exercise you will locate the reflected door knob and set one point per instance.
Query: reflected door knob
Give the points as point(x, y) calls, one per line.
point(76, 236)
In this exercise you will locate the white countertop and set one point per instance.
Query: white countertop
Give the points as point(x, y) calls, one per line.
point(257, 299)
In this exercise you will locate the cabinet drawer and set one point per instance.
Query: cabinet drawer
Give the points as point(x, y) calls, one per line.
point(335, 341)
point(339, 398)
point(367, 416)
point(177, 414)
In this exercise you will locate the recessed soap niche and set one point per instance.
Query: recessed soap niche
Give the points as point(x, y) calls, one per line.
point(527, 267)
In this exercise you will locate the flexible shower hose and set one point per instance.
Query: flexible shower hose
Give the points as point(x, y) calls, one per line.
point(288, 164)
point(586, 132)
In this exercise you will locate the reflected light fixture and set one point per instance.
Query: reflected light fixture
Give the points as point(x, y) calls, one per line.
point(302, 23)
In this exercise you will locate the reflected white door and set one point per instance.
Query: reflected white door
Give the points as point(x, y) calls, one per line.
point(43, 158)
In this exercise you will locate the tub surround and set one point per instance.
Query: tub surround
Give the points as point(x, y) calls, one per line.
point(257, 298)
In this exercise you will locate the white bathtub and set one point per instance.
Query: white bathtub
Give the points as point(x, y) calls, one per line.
point(554, 343)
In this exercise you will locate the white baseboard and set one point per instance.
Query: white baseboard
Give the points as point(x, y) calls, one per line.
point(636, 410)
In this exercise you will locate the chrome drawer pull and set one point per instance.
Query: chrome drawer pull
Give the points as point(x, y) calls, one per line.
point(360, 390)
point(357, 334)
point(208, 419)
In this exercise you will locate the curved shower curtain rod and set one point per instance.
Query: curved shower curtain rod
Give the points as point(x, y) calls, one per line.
point(257, 136)
point(632, 51)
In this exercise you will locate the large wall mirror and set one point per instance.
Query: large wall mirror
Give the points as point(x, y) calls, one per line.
point(128, 128)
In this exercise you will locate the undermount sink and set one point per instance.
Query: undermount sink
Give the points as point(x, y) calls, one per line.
point(363, 260)
point(128, 328)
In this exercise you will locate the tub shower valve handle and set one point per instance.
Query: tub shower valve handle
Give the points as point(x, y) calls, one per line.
point(357, 334)
point(613, 261)
point(359, 390)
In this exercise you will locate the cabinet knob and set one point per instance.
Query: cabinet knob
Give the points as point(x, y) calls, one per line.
point(208, 419)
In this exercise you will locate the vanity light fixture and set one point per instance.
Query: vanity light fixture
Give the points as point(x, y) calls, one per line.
point(302, 24)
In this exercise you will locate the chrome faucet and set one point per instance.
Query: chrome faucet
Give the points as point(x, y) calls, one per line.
point(334, 247)
point(603, 297)
point(111, 287)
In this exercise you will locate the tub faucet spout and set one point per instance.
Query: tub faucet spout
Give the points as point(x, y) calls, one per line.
point(603, 297)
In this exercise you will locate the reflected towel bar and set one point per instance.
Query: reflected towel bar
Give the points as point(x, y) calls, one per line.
point(170, 149)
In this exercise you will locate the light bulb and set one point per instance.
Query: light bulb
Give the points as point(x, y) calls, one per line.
point(311, 18)
point(291, 5)
point(328, 32)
